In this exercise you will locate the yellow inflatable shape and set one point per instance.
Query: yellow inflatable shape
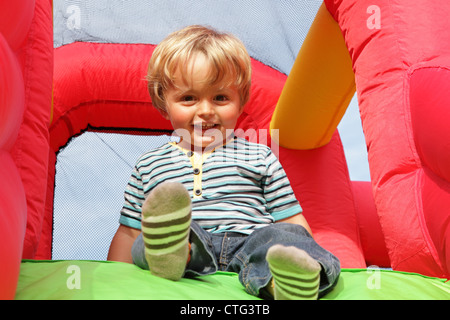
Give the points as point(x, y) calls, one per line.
point(318, 89)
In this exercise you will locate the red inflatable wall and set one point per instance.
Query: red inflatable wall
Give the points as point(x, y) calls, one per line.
point(401, 58)
point(26, 61)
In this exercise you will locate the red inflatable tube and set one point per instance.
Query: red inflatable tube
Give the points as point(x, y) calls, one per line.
point(16, 18)
point(12, 196)
point(401, 58)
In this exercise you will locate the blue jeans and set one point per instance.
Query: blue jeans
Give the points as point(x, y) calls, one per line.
point(246, 255)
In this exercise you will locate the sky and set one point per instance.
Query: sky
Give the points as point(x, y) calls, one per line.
point(355, 149)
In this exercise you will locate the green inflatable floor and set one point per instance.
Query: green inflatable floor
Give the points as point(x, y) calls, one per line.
point(90, 280)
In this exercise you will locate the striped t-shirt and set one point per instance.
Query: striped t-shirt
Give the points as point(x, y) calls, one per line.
point(237, 187)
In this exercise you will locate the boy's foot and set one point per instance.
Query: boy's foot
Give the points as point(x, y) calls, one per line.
point(166, 220)
point(296, 275)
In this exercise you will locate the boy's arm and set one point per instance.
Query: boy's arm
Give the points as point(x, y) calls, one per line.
point(120, 248)
point(298, 219)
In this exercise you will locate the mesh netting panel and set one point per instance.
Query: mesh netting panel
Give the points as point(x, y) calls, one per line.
point(91, 174)
point(272, 31)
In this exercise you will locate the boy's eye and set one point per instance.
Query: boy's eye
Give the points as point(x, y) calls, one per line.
point(187, 98)
point(221, 98)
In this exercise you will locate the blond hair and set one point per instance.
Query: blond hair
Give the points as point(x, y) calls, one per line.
point(225, 53)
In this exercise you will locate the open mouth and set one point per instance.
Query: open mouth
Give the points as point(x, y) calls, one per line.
point(204, 126)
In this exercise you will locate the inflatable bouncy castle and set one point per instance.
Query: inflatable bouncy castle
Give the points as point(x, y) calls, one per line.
point(70, 68)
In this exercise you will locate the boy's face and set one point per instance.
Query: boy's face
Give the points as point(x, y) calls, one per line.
point(202, 114)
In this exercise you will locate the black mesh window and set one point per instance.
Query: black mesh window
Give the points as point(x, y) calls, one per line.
point(91, 174)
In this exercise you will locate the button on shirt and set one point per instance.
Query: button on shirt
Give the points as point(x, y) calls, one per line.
point(237, 187)
point(197, 164)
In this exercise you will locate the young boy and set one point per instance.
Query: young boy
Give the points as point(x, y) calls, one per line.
point(213, 201)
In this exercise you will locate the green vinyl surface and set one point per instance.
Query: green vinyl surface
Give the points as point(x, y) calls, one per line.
point(104, 280)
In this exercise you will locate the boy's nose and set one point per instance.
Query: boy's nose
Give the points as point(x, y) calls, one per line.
point(205, 108)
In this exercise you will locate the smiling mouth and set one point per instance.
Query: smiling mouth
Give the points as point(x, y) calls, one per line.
point(204, 126)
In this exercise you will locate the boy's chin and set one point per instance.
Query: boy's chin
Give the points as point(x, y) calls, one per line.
point(206, 143)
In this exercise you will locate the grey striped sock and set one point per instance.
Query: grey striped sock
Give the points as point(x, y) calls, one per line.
point(295, 273)
point(166, 219)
